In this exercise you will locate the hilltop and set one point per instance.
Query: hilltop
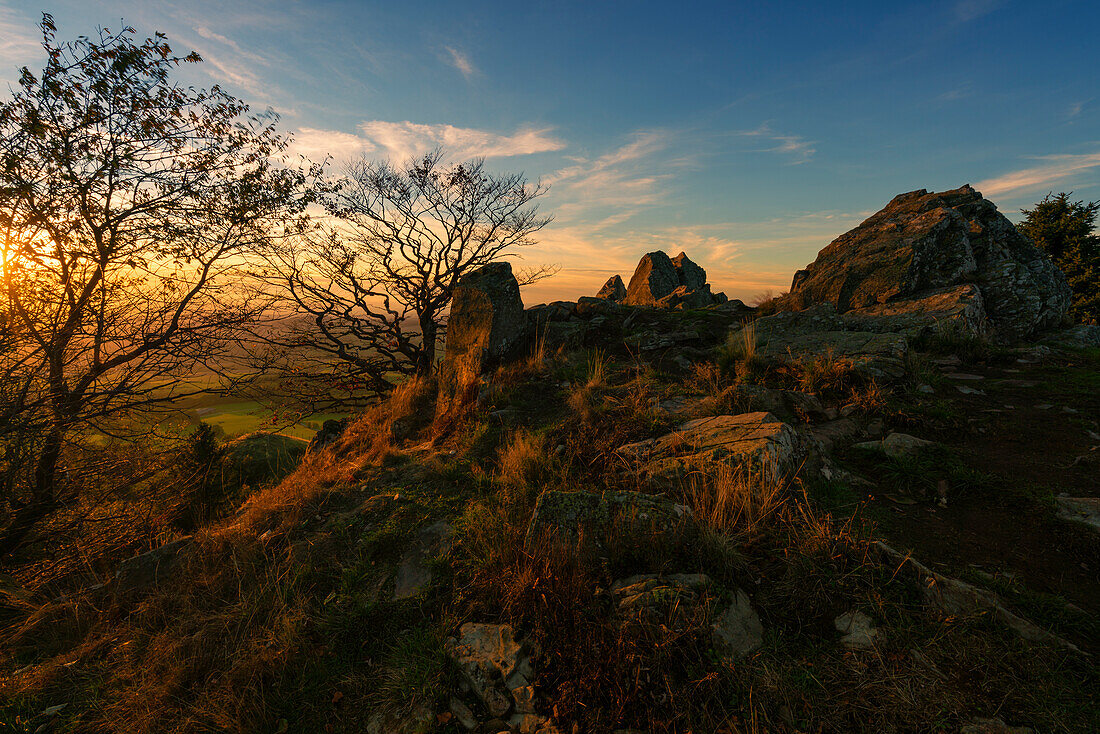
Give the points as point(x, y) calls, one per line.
point(867, 505)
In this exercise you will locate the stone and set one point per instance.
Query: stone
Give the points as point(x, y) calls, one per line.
point(897, 445)
point(331, 430)
point(926, 389)
point(756, 442)
point(652, 590)
point(956, 310)
point(858, 630)
point(613, 289)
point(589, 307)
point(492, 663)
point(738, 630)
point(414, 571)
point(1082, 510)
point(969, 390)
point(798, 336)
point(1082, 336)
point(462, 714)
point(146, 570)
point(674, 283)
point(586, 520)
point(487, 324)
point(836, 433)
point(782, 403)
point(653, 279)
point(922, 242)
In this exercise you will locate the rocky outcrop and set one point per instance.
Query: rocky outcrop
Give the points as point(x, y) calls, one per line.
point(669, 283)
point(819, 331)
point(954, 309)
point(613, 289)
point(493, 663)
point(755, 442)
point(922, 243)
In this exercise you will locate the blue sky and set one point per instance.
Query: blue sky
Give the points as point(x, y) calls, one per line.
point(748, 134)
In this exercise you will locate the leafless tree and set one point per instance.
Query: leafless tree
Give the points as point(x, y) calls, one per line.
point(369, 297)
point(128, 204)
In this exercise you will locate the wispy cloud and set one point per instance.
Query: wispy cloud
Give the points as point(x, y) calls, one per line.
point(799, 149)
point(20, 42)
point(1075, 108)
point(965, 11)
point(461, 61)
point(1054, 169)
point(400, 141)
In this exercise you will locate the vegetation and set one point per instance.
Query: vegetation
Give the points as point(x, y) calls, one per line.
point(1065, 230)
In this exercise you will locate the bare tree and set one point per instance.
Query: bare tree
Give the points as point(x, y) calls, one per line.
point(127, 206)
point(371, 296)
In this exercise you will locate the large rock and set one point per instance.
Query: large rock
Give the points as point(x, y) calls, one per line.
point(922, 242)
point(613, 289)
point(486, 325)
point(756, 442)
point(496, 666)
point(669, 283)
point(795, 336)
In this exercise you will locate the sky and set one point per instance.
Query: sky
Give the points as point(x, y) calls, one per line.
point(748, 134)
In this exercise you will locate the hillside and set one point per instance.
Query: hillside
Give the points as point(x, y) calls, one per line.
point(874, 515)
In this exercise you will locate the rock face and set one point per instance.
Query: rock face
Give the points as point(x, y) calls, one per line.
point(922, 243)
point(669, 283)
point(613, 289)
point(495, 665)
point(757, 442)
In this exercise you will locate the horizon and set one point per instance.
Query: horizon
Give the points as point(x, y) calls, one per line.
point(750, 145)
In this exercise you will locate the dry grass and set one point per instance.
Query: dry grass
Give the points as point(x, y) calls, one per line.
point(735, 500)
point(368, 441)
point(586, 397)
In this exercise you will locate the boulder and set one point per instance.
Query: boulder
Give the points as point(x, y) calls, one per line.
point(331, 430)
point(613, 289)
point(487, 324)
point(858, 630)
point(897, 445)
point(738, 631)
point(1082, 336)
point(793, 336)
point(587, 520)
point(756, 442)
point(923, 242)
point(669, 283)
point(653, 279)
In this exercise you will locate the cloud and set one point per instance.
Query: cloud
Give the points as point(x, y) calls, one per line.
point(461, 61)
point(1075, 109)
point(797, 147)
point(400, 141)
point(1054, 169)
point(965, 11)
point(20, 43)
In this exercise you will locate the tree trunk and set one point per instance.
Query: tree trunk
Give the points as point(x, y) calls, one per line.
point(426, 359)
point(43, 500)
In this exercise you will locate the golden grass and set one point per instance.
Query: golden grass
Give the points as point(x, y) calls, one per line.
point(735, 500)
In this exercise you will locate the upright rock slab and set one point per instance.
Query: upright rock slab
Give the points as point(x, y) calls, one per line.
point(613, 289)
point(923, 242)
point(487, 326)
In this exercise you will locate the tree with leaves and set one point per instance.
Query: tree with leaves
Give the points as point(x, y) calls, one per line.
point(1065, 230)
point(128, 204)
point(366, 302)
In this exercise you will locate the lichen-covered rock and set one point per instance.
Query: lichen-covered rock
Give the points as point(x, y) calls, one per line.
point(689, 274)
point(755, 442)
point(487, 323)
point(954, 309)
point(613, 289)
point(921, 242)
point(738, 630)
point(260, 458)
point(819, 331)
point(587, 520)
point(492, 662)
